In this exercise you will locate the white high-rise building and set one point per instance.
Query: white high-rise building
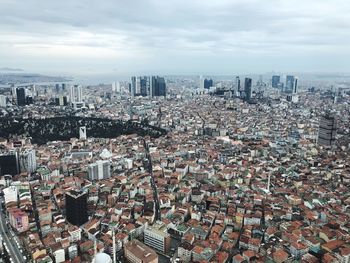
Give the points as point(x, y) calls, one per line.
point(99, 170)
point(27, 161)
point(118, 87)
point(114, 85)
point(2, 101)
point(76, 93)
point(201, 82)
point(82, 133)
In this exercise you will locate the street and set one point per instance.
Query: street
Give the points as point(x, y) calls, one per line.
point(11, 247)
point(154, 187)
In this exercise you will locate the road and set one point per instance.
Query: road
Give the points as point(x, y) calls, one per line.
point(154, 186)
point(12, 248)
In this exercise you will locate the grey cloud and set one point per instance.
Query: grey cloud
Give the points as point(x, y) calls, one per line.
point(133, 33)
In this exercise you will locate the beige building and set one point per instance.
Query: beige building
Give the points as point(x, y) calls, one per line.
point(137, 252)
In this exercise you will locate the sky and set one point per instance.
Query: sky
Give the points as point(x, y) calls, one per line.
point(175, 36)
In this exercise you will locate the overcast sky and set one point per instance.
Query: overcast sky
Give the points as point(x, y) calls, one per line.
point(175, 36)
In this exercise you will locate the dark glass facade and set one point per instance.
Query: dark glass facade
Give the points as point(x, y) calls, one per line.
point(76, 207)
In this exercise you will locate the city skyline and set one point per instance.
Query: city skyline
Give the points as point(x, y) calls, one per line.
point(200, 37)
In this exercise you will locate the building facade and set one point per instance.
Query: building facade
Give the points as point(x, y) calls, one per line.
point(76, 207)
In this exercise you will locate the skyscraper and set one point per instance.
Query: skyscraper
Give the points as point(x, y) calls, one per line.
point(238, 84)
point(248, 89)
point(327, 130)
point(295, 85)
point(133, 86)
point(157, 86)
point(21, 96)
point(289, 84)
point(99, 170)
point(208, 83)
point(76, 94)
point(160, 87)
point(144, 86)
point(201, 82)
point(275, 81)
point(148, 86)
point(76, 207)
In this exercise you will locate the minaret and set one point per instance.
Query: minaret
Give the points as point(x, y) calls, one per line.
point(95, 247)
point(114, 248)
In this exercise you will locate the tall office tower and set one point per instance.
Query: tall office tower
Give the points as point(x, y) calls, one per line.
point(152, 88)
point(160, 87)
point(248, 89)
point(9, 163)
point(238, 84)
point(289, 84)
point(201, 82)
point(148, 86)
point(27, 161)
point(118, 88)
point(62, 101)
point(76, 207)
point(63, 86)
point(114, 86)
point(76, 93)
point(3, 101)
point(143, 86)
point(21, 96)
point(208, 83)
point(295, 85)
point(99, 170)
point(138, 86)
point(57, 87)
point(327, 130)
point(275, 81)
point(133, 86)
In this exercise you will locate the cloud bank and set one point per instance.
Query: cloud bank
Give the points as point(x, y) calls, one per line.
point(176, 36)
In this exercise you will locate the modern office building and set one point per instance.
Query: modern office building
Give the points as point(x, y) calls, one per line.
point(137, 252)
point(208, 83)
point(275, 81)
point(160, 87)
point(201, 82)
point(21, 96)
point(157, 237)
point(248, 89)
point(9, 163)
point(238, 83)
point(99, 170)
point(153, 86)
point(295, 85)
point(327, 130)
point(290, 84)
point(76, 207)
point(61, 101)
